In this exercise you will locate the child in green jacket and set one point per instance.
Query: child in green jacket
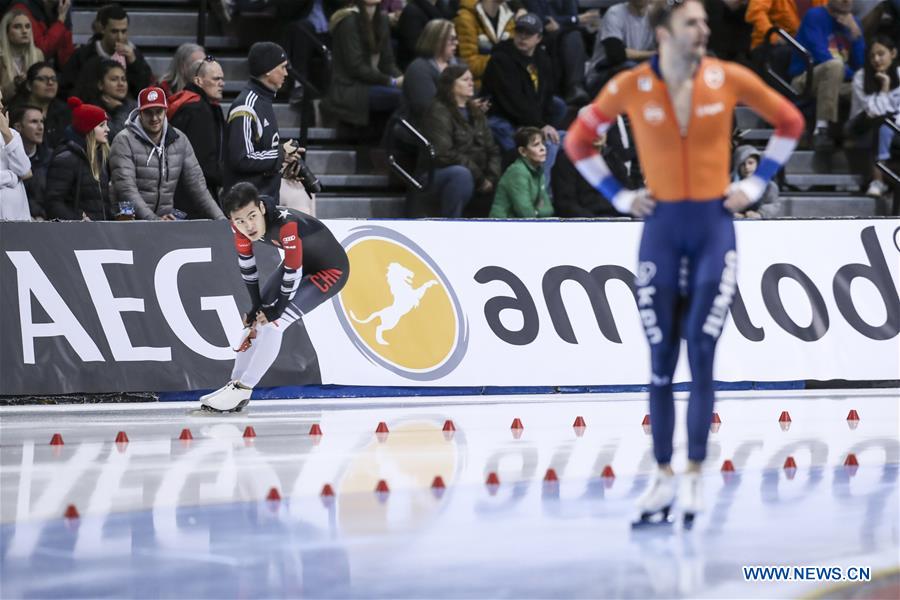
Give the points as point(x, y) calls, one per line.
point(521, 192)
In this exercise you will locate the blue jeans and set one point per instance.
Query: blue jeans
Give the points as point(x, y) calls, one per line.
point(384, 99)
point(453, 186)
point(503, 132)
point(885, 138)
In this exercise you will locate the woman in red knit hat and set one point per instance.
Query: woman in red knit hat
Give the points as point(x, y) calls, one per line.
point(78, 176)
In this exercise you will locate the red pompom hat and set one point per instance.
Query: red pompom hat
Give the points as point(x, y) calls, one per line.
point(85, 116)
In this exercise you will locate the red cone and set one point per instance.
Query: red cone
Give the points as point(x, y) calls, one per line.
point(71, 512)
point(715, 418)
point(853, 416)
point(449, 426)
point(790, 463)
point(517, 424)
point(273, 496)
point(249, 432)
point(785, 417)
point(607, 472)
point(121, 438)
point(579, 422)
point(438, 483)
point(851, 461)
point(492, 479)
point(315, 429)
point(551, 477)
point(56, 440)
point(327, 491)
point(646, 420)
point(382, 427)
point(382, 487)
point(728, 467)
point(186, 435)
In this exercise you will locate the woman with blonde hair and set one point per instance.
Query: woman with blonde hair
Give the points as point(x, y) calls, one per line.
point(17, 50)
point(435, 50)
point(78, 175)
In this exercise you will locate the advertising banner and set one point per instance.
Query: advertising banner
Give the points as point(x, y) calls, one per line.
point(91, 307)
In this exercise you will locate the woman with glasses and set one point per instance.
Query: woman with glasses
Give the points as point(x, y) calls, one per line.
point(17, 50)
point(40, 88)
point(105, 83)
point(436, 50)
point(180, 71)
point(415, 16)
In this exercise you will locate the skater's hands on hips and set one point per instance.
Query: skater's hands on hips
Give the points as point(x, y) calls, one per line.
point(261, 319)
point(737, 200)
point(643, 203)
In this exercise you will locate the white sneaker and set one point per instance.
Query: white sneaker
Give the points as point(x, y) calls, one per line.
point(655, 503)
point(877, 189)
point(690, 496)
point(229, 398)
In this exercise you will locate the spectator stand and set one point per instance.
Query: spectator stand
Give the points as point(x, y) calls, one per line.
point(353, 186)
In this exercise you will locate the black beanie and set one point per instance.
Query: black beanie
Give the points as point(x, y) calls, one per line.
point(263, 57)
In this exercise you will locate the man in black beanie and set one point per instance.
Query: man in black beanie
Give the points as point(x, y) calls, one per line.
point(254, 153)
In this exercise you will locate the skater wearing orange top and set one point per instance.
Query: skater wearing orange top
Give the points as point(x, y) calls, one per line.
point(680, 105)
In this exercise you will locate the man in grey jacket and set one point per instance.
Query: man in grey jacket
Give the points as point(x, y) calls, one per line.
point(149, 159)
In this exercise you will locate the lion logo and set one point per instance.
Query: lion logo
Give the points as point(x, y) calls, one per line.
point(405, 296)
point(399, 308)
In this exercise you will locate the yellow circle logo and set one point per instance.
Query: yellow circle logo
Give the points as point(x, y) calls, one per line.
point(398, 307)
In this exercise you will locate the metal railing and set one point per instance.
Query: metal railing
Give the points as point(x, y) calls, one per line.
point(426, 147)
point(890, 173)
point(201, 22)
point(806, 93)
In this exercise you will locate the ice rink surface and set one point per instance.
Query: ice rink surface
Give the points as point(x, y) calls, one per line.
point(165, 517)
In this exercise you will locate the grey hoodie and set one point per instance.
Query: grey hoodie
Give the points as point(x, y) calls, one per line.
point(769, 205)
point(148, 174)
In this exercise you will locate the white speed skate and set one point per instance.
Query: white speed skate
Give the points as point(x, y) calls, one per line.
point(656, 503)
point(231, 397)
point(690, 497)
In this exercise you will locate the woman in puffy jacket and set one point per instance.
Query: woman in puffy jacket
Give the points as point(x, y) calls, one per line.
point(78, 175)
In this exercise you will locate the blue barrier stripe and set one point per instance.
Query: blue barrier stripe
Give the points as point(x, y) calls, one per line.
point(355, 391)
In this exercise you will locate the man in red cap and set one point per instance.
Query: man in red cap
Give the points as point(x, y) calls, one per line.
point(149, 160)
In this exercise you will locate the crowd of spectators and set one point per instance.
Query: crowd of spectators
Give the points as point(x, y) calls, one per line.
point(89, 132)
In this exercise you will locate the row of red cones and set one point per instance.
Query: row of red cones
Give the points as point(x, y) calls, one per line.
point(449, 428)
point(784, 420)
point(493, 482)
point(315, 430)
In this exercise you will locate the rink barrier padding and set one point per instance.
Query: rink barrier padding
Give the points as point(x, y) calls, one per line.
point(435, 308)
point(342, 391)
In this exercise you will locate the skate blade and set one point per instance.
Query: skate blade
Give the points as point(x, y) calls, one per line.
point(689, 520)
point(655, 519)
point(209, 411)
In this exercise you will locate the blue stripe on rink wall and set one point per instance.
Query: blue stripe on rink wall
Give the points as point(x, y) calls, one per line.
point(354, 391)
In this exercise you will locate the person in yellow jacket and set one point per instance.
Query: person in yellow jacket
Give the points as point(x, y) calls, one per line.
point(765, 14)
point(479, 27)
